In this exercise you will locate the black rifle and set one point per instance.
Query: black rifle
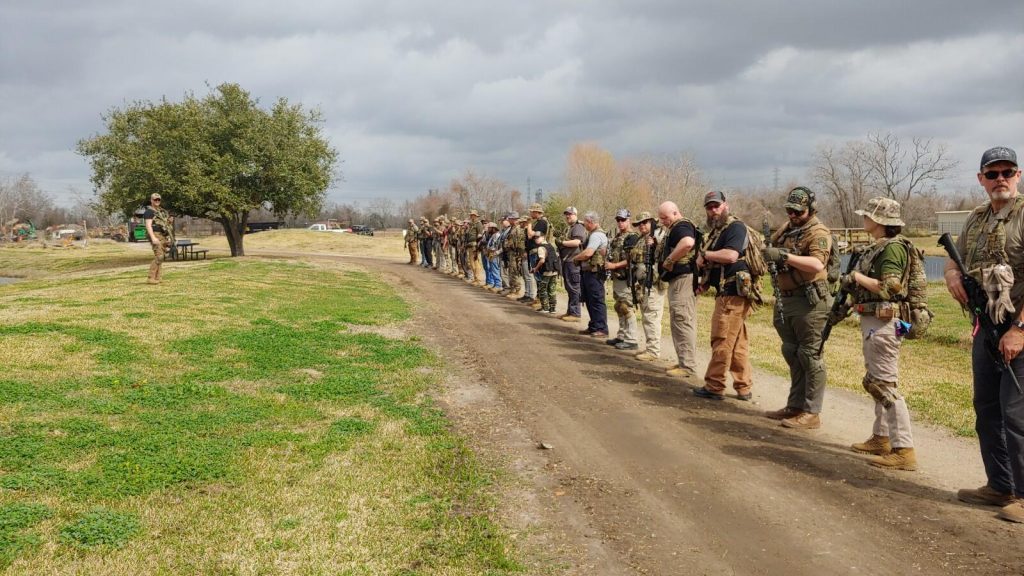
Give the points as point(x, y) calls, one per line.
point(773, 270)
point(976, 303)
point(649, 261)
point(838, 304)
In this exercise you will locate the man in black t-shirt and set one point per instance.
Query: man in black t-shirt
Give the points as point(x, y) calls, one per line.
point(569, 247)
point(728, 273)
point(675, 257)
point(536, 225)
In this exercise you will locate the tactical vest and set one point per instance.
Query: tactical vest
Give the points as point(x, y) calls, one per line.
point(597, 259)
point(161, 221)
point(552, 263)
point(793, 240)
point(985, 239)
point(661, 253)
point(911, 297)
point(411, 235)
point(618, 250)
point(472, 235)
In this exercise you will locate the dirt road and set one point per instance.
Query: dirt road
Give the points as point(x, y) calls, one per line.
point(645, 478)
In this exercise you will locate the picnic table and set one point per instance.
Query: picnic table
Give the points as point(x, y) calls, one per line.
point(185, 249)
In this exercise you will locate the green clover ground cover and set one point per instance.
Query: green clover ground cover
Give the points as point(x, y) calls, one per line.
point(153, 419)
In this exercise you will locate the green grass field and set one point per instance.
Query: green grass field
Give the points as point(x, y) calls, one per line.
point(244, 417)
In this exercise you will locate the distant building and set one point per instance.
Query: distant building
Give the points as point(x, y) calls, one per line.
point(951, 221)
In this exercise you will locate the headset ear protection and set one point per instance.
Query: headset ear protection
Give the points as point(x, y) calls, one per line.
point(812, 206)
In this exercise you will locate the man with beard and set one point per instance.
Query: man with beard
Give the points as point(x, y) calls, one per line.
point(727, 272)
point(800, 250)
point(992, 235)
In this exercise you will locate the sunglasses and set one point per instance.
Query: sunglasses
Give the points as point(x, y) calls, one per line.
point(792, 212)
point(622, 219)
point(1006, 174)
point(156, 200)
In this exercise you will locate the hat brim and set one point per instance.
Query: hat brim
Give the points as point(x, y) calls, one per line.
point(639, 222)
point(791, 206)
point(879, 219)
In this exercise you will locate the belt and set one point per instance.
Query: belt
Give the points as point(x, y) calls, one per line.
point(791, 293)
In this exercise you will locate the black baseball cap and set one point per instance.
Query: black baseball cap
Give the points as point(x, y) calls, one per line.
point(998, 154)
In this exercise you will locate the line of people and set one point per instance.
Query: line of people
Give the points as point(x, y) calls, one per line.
point(664, 258)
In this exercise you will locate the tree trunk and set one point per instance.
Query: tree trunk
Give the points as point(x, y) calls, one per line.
point(234, 231)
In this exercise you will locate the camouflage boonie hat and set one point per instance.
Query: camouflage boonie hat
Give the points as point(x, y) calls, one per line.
point(424, 219)
point(642, 217)
point(473, 213)
point(523, 219)
point(535, 207)
point(884, 211)
point(798, 199)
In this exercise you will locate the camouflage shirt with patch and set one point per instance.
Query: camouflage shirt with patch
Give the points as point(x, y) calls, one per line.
point(811, 239)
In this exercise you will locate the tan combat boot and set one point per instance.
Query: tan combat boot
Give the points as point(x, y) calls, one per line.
point(898, 459)
point(646, 356)
point(803, 421)
point(783, 413)
point(154, 271)
point(986, 496)
point(877, 445)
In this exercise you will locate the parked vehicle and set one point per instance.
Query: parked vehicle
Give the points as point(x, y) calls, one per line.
point(362, 230)
point(253, 227)
point(325, 228)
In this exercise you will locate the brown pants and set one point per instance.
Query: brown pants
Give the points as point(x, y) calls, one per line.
point(414, 254)
point(729, 345)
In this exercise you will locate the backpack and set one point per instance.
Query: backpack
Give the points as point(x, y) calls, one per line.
point(552, 262)
point(834, 266)
point(914, 308)
point(753, 256)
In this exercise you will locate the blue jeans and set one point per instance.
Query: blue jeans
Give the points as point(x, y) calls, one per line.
point(592, 284)
point(999, 420)
point(571, 275)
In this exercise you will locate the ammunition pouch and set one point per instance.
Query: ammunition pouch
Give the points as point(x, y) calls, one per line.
point(884, 311)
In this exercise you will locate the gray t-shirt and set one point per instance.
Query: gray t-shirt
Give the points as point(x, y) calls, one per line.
point(598, 240)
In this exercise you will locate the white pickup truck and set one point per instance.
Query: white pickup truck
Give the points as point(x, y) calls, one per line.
point(324, 228)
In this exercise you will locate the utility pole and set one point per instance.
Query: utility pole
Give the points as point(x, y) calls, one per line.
point(775, 186)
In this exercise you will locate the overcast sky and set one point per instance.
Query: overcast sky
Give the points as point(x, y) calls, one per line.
point(415, 92)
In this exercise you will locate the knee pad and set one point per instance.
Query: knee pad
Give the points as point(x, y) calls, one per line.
point(621, 307)
point(883, 392)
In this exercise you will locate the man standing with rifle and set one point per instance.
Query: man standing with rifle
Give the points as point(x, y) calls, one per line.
point(991, 237)
point(622, 290)
point(649, 288)
point(800, 250)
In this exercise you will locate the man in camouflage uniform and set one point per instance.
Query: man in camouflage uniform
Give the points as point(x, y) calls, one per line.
point(437, 238)
point(474, 233)
point(515, 250)
point(800, 250)
point(424, 240)
point(618, 265)
point(992, 235)
point(650, 289)
point(160, 231)
point(412, 241)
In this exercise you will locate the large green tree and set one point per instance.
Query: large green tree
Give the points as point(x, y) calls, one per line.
point(218, 157)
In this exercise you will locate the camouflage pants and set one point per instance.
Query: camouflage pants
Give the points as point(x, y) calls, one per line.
point(159, 254)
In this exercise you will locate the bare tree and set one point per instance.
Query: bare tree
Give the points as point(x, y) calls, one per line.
point(899, 173)
point(22, 198)
point(844, 177)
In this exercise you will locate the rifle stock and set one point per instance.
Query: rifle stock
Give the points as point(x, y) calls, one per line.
point(976, 302)
point(838, 304)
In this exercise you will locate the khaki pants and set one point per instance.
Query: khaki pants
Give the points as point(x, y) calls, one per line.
point(652, 309)
point(682, 310)
point(881, 364)
point(624, 310)
point(414, 254)
point(729, 345)
point(476, 266)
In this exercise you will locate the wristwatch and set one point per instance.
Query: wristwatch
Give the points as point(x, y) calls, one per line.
point(1019, 325)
